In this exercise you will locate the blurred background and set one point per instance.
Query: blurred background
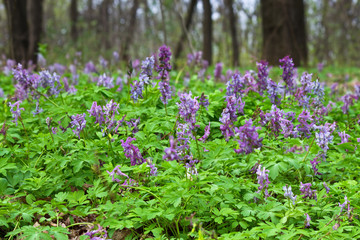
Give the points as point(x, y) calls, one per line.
point(235, 32)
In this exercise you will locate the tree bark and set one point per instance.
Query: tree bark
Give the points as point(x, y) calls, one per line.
point(186, 28)
point(130, 31)
point(18, 31)
point(283, 28)
point(207, 31)
point(232, 24)
point(73, 19)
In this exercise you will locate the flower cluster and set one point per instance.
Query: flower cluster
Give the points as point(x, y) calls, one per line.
point(326, 187)
point(273, 90)
point(99, 234)
point(16, 113)
point(116, 171)
point(289, 194)
point(306, 124)
point(188, 108)
point(206, 133)
point(314, 164)
point(346, 203)
point(105, 81)
point(51, 81)
point(344, 137)
point(348, 100)
point(263, 75)
point(132, 152)
point(106, 115)
point(146, 70)
point(229, 115)
point(235, 86)
point(324, 137)
point(263, 180)
point(90, 68)
point(307, 221)
point(307, 192)
point(78, 122)
point(248, 138)
point(203, 101)
point(218, 72)
point(163, 69)
point(288, 72)
point(171, 153)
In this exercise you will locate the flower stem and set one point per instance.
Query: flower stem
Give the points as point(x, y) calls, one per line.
point(309, 150)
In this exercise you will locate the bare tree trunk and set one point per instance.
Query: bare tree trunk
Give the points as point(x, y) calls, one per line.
point(130, 31)
point(185, 29)
point(283, 27)
point(73, 19)
point(207, 31)
point(104, 20)
point(18, 31)
point(232, 24)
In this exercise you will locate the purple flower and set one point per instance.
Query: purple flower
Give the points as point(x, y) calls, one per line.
point(171, 152)
point(116, 171)
point(137, 88)
point(58, 68)
point(110, 109)
point(235, 86)
point(96, 111)
point(288, 72)
point(105, 81)
point(248, 138)
point(165, 91)
point(116, 57)
point(10, 64)
point(53, 130)
point(326, 187)
point(314, 164)
point(78, 122)
point(324, 137)
point(16, 113)
point(306, 124)
point(188, 108)
point(52, 82)
point(206, 134)
point(37, 109)
point(183, 134)
point(229, 115)
point(344, 137)
point(307, 192)
point(307, 221)
point(218, 72)
point(153, 169)
point(146, 70)
point(103, 62)
point(41, 60)
point(348, 100)
point(343, 205)
point(190, 167)
point(133, 124)
point(164, 62)
point(263, 180)
point(289, 194)
point(273, 120)
point(320, 66)
point(90, 68)
point(203, 101)
point(100, 232)
point(263, 75)
point(132, 152)
point(273, 90)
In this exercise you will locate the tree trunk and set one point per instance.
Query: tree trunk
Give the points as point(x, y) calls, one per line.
point(232, 23)
point(283, 28)
point(185, 29)
point(207, 31)
point(130, 29)
point(18, 30)
point(73, 19)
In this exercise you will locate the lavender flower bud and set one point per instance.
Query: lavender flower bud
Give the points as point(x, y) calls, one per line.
point(16, 113)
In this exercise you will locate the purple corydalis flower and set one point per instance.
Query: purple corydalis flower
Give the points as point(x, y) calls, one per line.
point(153, 169)
point(78, 122)
point(348, 100)
point(37, 109)
point(101, 232)
point(116, 57)
point(103, 62)
point(289, 194)
point(344, 137)
point(326, 187)
point(16, 113)
point(306, 124)
point(164, 62)
point(314, 164)
point(206, 133)
point(132, 152)
point(263, 75)
point(248, 138)
point(137, 88)
point(218, 72)
point(51, 81)
point(203, 101)
point(263, 180)
point(110, 109)
point(171, 153)
point(133, 124)
point(90, 68)
point(235, 86)
point(288, 72)
point(307, 192)
point(146, 70)
point(116, 171)
point(324, 137)
point(165, 91)
point(307, 221)
point(96, 111)
point(229, 115)
point(10, 64)
point(188, 108)
point(320, 66)
point(105, 81)
point(343, 205)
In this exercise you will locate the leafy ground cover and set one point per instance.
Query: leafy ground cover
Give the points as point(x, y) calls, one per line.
point(90, 152)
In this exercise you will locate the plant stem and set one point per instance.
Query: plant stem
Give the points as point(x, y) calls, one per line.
point(27, 139)
point(307, 153)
